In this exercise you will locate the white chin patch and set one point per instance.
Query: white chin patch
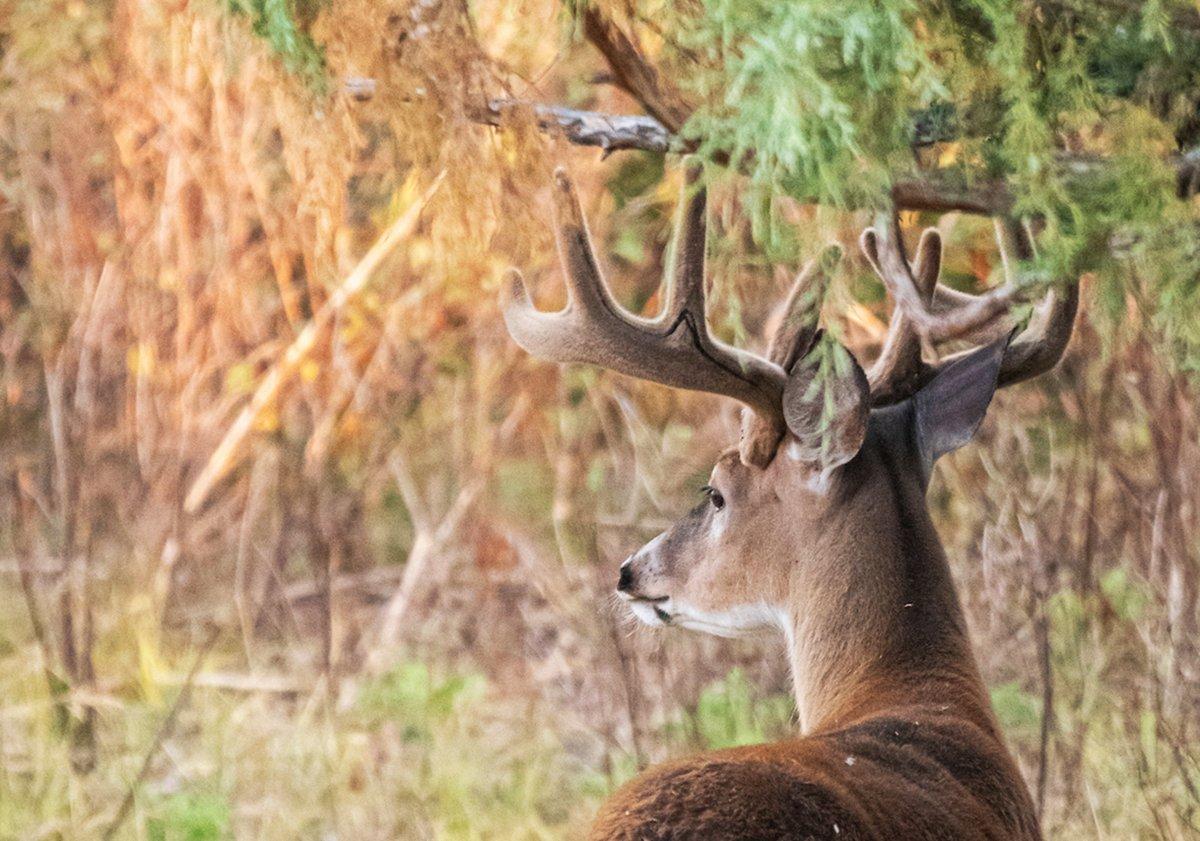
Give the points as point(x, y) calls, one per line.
point(735, 622)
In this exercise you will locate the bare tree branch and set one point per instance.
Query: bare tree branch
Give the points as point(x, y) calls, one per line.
point(667, 110)
point(165, 731)
point(633, 72)
point(609, 132)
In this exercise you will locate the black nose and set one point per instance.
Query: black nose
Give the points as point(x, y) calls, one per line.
point(625, 582)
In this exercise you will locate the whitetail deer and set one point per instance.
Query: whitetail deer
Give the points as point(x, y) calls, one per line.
point(816, 524)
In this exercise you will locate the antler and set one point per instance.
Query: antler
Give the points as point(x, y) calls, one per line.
point(674, 349)
point(926, 313)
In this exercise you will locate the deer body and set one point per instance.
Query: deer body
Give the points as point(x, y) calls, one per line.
point(939, 778)
point(816, 525)
point(901, 742)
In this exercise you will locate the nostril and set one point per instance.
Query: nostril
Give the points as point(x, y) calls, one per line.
point(625, 582)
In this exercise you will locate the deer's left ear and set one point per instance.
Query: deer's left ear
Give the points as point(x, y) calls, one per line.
point(949, 410)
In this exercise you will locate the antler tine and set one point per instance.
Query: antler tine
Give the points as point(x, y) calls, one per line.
point(793, 339)
point(926, 312)
point(1041, 345)
point(900, 360)
point(586, 288)
point(674, 349)
point(971, 313)
point(802, 309)
point(685, 290)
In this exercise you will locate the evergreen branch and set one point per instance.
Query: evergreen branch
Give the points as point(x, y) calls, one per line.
point(669, 111)
point(935, 191)
point(636, 75)
point(1183, 18)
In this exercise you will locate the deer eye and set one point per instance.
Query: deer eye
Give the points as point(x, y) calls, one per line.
point(714, 496)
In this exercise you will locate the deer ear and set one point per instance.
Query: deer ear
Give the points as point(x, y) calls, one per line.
point(826, 404)
point(951, 407)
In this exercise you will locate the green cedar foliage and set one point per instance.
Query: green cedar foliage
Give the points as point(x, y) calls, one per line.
point(819, 101)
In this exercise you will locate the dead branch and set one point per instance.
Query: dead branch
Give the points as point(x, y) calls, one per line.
point(935, 191)
point(610, 132)
point(633, 72)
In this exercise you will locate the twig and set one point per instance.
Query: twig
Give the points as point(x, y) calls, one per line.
point(164, 732)
point(1099, 433)
point(628, 668)
point(424, 550)
point(19, 539)
point(55, 406)
point(373, 580)
point(1046, 676)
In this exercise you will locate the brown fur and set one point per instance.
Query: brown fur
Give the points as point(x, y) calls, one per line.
point(901, 742)
point(911, 772)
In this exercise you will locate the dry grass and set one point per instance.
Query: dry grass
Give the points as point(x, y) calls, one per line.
point(179, 209)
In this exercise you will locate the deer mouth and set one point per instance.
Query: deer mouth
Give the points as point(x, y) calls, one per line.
point(651, 610)
point(635, 598)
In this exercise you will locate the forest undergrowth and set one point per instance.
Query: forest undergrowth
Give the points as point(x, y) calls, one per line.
point(296, 543)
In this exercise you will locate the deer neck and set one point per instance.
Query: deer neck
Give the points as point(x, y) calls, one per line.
point(863, 643)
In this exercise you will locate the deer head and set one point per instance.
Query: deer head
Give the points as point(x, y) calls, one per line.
point(815, 522)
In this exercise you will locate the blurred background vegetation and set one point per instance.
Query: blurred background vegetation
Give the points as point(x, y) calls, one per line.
point(256, 243)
